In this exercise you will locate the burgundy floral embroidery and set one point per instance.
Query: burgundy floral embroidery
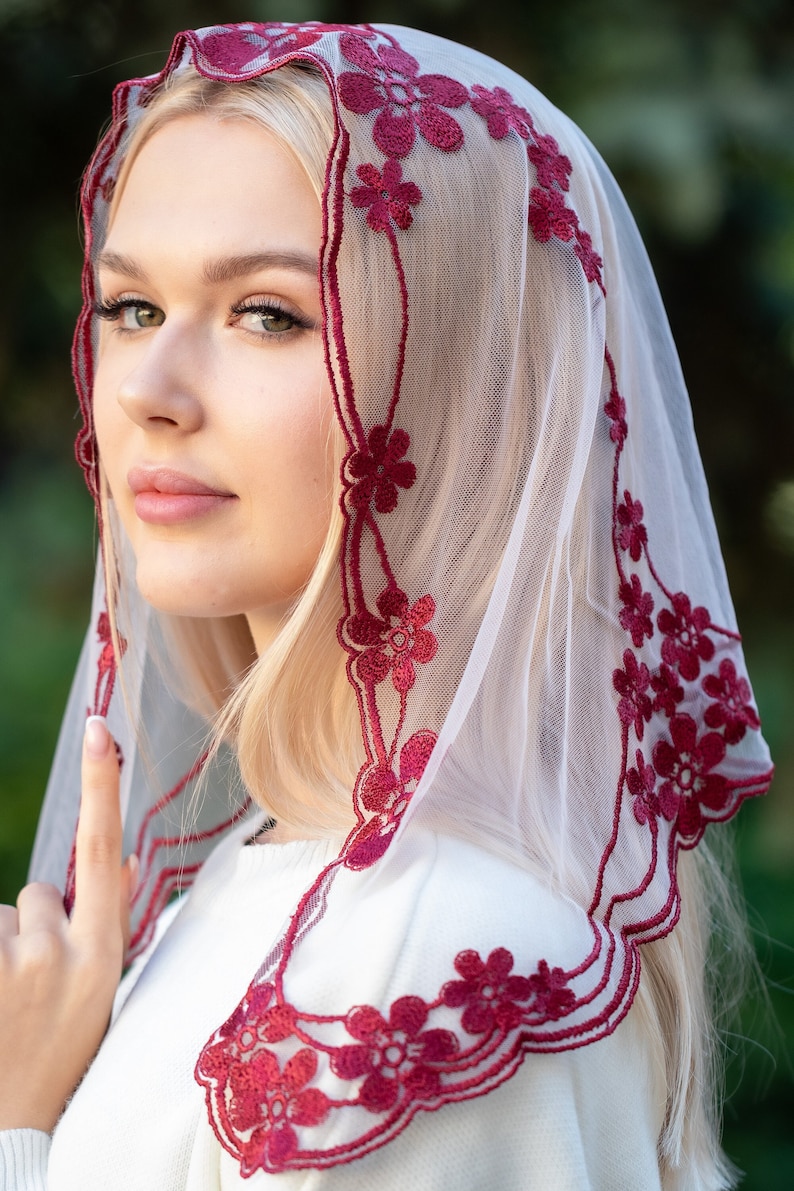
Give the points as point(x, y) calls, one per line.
point(233, 49)
point(685, 644)
point(398, 645)
point(668, 692)
point(272, 1102)
point(592, 263)
point(371, 841)
point(551, 166)
point(632, 683)
point(732, 710)
point(635, 615)
point(686, 763)
point(393, 1055)
point(106, 669)
point(382, 469)
point(501, 113)
point(388, 796)
point(648, 805)
point(404, 99)
point(551, 996)
point(382, 790)
point(386, 195)
point(549, 216)
point(285, 39)
point(488, 991)
point(615, 410)
point(633, 535)
point(107, 658)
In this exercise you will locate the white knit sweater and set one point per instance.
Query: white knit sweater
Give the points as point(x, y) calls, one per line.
point(587, 1119)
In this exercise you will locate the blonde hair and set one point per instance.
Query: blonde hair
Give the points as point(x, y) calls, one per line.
point(291, 712)
point(292, 716)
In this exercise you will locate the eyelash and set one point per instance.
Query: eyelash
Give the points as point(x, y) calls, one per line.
point(111, 310)
point(257, 306)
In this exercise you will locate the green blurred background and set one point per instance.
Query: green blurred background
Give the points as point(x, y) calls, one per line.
point(692, 104)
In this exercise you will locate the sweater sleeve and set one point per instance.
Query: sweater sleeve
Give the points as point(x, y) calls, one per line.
point(23, 1159)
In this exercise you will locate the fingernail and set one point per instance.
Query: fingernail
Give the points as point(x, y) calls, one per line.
point(97, 738)
point(135, 872)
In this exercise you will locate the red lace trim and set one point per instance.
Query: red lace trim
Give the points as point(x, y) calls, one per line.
point(264, 1103)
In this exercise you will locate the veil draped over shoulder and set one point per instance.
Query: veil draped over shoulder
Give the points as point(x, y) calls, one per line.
point(536, 621)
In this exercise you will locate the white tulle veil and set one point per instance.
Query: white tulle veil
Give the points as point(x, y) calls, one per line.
point(537, 622)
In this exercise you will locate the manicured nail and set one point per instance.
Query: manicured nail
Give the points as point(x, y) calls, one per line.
point(135, 872)
point(97, 738)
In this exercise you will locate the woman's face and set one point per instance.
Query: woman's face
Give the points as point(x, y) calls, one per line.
point(211, 399)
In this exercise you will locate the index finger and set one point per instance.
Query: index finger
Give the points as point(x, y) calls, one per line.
point(98, 841)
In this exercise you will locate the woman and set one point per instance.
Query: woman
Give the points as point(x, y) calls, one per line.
point(398, 489)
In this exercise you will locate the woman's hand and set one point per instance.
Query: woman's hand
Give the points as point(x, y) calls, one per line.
point(58, 976)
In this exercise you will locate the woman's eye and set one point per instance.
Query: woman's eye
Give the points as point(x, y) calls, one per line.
point(130, 314)
point(133, 318)
point(269, 320)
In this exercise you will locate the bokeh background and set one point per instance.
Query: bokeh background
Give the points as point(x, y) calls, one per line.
point(692, 104)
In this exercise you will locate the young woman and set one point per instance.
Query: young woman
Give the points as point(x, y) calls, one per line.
point(413, 637)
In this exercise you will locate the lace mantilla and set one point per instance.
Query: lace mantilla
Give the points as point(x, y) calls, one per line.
point(275, 1073)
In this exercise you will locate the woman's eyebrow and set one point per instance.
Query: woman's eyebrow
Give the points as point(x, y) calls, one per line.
point(227, 268)
point(118, 263)
point(224, 268)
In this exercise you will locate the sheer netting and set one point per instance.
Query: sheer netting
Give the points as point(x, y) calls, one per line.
point(537, 623)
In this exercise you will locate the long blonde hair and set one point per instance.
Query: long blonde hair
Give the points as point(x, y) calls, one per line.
point(292, 716)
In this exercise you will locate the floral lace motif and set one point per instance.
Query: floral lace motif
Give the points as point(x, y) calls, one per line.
point(389, 1065)
point(388, 198)
point(406, 102)
point(394, 1054)
point(394, 647)
point(274, 1073)
point(381, 469)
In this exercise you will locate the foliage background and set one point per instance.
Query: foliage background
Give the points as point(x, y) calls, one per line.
point(693, 107)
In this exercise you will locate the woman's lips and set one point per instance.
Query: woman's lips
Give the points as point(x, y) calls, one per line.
point(167, 497)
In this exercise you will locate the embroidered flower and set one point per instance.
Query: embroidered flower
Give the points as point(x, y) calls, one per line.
point(668, 691)
point(592, 263)
point(232, 50)
point(107, 657)
point(370, 842)
point(635, 615)
point(550, 164)
point(615, 410)
point(270, 1102)
point(381, 469)
point(501, 113)
point(632, 683)
point(388, 796)
point(488, 991)
point(393, 1055)
point(255, 1020)
point(641, 781)
point(732, 710)
point(394, 648)
point(549, 216)
point(686, 763)
point(633, 535)
point(404, 99)
point(382, 790)
point(386, 195)
point(685, 642)
point(551, 996)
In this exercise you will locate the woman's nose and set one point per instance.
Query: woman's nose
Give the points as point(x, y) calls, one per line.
point(163, 389)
